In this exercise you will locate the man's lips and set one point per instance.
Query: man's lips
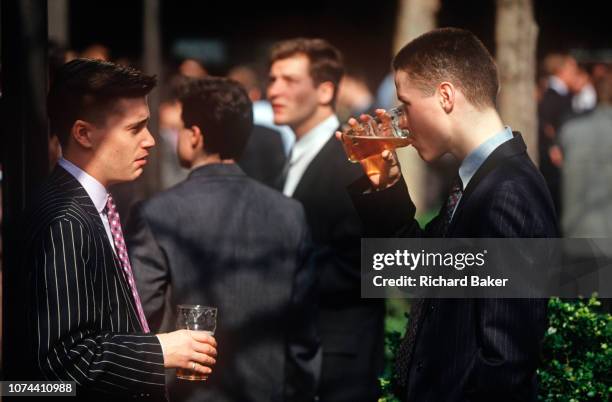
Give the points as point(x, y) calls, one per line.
point(277, 107)
point(142, 160)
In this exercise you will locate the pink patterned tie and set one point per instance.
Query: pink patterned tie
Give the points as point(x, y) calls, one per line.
point(117, 233)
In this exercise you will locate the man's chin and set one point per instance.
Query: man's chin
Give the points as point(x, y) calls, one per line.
point(137, 173)
point(280, 121)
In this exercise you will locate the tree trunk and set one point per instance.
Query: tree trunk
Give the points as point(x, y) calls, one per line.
point(516, 36)
point(414, 18)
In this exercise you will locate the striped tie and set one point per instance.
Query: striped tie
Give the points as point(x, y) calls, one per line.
point(451, 202)
point(117, 233)
point(403, 358)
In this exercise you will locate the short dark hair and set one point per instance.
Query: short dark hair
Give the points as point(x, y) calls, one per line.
point(88, 89)
point(325, 60)
point(454, 55)
point(221, 108)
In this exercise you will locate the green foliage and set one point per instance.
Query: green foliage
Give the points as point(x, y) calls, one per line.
point(577, 353)
point(395, 326)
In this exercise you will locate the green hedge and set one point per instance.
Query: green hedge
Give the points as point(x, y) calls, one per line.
point(576, 356)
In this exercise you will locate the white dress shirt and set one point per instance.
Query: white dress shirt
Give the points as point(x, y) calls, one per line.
point(96, 191)
point(305, 150)
point(559, 86)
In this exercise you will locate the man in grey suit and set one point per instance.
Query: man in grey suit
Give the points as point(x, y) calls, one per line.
point(587, 172)
point(222, 239)
point(85, 315)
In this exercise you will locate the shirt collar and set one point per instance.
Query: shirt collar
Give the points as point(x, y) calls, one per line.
point(476, 158)
point(558, 85)
point(96, 191)
point(317, 135)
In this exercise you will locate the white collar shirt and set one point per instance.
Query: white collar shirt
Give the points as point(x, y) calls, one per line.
point(558, 85)
point(306, 149)
point(96, 191)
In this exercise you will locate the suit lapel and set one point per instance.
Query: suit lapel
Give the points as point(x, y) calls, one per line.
point(512, 147)
point(75, 191)
point(311, 173)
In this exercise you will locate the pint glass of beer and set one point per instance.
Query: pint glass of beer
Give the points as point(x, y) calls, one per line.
point(195, 318)
point(365, 142)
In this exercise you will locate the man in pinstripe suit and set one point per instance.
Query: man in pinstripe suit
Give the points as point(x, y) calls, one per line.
point(86, 321)
point(460, 350)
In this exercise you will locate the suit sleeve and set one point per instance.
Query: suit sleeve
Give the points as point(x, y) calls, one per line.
point(390, 212)
point(70, 345)
point(303, 344)
point(150, 267)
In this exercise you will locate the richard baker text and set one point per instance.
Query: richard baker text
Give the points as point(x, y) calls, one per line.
point(428, 281)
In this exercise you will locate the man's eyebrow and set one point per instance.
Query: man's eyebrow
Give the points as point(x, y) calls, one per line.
point(284, 76)
point(140, 123)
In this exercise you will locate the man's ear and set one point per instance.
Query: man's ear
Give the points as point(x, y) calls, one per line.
point(447, 95)
point(197, 138)
point(325, 92)
point(82, 132)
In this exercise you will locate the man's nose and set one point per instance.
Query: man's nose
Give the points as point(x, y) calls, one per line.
point(149, 140)
point(274, 90)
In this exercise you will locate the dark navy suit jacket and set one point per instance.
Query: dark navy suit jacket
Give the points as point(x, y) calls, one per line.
point(351, 327)
point(222, 239)
point(474, 349)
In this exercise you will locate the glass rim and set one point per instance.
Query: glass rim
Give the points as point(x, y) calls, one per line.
point(396, 109)
point(195, 307)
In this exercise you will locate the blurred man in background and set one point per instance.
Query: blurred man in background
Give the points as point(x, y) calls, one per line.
point(554, 109)
point(303, 86)
point(264, 155)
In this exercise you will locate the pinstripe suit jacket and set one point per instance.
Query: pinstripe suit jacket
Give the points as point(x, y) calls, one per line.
point(83, 322)
point(474, 349)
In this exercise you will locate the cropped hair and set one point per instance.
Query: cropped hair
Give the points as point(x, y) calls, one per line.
point(88, 90)
point(454, 55)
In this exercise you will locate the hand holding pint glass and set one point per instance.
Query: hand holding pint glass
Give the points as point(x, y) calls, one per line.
point(372, 142)
point(195, 318)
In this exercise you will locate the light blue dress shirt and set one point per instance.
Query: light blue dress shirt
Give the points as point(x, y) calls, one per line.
point(476, 158)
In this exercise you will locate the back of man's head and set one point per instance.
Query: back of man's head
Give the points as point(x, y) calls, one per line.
point(454, 55)
point(88, 90)
point(325, 60)
point(222, 110)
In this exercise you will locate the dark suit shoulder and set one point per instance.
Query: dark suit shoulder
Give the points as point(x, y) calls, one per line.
point(60, 198)
point(514, 201)
point(237, 189)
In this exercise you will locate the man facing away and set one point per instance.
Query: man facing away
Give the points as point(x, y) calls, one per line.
point(304, 76)
point(86, 318)
point(222, 239)
point(462, 349)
